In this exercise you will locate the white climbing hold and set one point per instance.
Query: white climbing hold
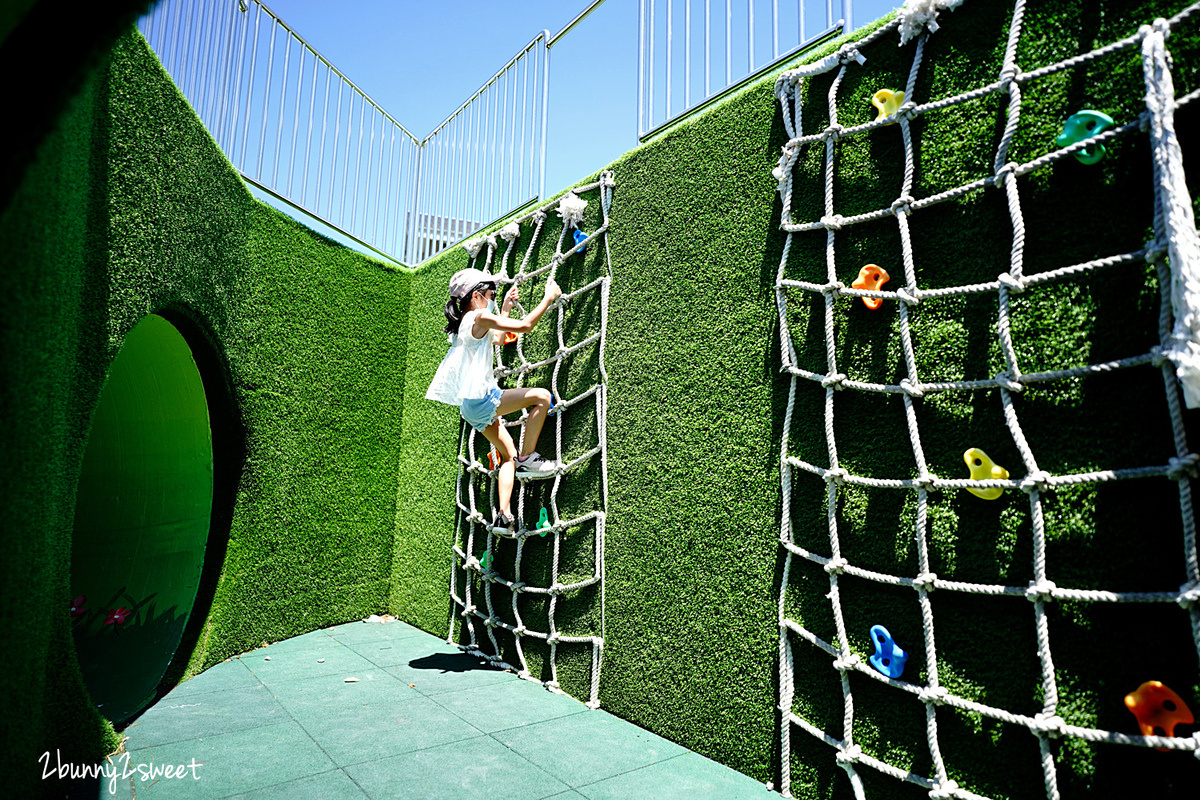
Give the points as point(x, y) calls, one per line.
point(351, 680)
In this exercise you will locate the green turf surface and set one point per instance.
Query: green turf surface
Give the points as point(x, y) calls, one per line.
point(130, 209)
point(337, 482)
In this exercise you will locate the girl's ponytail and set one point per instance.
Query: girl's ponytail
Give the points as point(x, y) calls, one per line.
point(454, 313)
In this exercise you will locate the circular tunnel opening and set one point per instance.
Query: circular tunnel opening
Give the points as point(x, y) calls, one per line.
point(142, 518)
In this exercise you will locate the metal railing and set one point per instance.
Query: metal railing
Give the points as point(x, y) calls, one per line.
point(288, 119)
point(300, 130)
point(720, 52)
point(488, 157)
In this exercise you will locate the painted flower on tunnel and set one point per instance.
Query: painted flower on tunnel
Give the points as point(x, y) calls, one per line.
point(118, 615)
point(77, 609)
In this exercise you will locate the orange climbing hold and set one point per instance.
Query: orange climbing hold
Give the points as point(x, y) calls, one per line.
point(1158, 709)
point(509, 337)
point(870, 278)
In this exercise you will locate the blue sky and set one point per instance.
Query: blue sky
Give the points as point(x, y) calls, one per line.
point(420, 59)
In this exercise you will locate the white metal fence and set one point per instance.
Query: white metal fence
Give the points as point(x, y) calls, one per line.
point(298, 128)
point(288, 119)
point(690, 56)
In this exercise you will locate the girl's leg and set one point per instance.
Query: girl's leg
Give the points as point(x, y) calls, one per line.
point(538, 403)
point(498, 435)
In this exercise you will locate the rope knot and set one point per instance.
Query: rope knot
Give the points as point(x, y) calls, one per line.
point(1189, 595)
point(901, 204)
point(833, 288)
point(909, 298)
point(1039, 480)
point(908, 111)
point(1158, 357)
point(1182, 467)
point(556, 260)
point(836, 565)
point(1003, 173)
point(1015, 285)
point(553, 638)
point(1008, 75)
point(468, 610)
point(491, 622)
point(517, 587)
point(1040, 590)
point(1049, 724)
point(841, 664)
point(925, 481)
point(943, 790)
point(926, 581)
point(1155, 250)
point(1005, 380)
point(833, 222)
point(834, 380)
point(607, 180)
point(1162, 26)
point(491, 241)
point(911, 389)
point(552, 684)
point(520, 630)
point(848, 53)
point(932, 694)
point(850, 755)
point(834, 131)
point(836, 476)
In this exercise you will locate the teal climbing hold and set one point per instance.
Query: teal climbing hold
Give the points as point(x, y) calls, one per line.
point(1084, 125)
point(543, 523)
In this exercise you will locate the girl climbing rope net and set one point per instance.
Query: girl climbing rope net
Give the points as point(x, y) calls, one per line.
point(465, 379)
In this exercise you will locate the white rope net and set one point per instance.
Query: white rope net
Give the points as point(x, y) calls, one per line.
point(492, 583)
point(1175, 241)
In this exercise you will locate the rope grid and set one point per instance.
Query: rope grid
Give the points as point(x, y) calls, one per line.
point(1174, 237)
point(482, 569)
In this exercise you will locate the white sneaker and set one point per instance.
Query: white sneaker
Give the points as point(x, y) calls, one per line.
point(535, 466)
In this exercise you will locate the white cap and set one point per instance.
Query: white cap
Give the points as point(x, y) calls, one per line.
point(465, 280)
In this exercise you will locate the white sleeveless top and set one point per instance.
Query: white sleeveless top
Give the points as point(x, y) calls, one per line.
point(466, 371)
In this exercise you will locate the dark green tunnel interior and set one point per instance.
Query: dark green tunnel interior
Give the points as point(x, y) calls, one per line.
point(142, 518)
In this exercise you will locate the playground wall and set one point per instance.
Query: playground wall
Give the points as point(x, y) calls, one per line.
point(339, 478)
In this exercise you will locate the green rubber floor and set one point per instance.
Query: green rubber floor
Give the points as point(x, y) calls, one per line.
point(422, 721)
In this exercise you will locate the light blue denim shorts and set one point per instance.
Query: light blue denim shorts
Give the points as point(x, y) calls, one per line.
point(481, 413)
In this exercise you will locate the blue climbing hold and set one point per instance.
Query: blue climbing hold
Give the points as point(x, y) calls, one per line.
point(889, 658)
point(1085, 125)
point(580, 237)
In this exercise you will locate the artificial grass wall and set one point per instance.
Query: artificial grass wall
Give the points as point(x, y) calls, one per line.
point(130, 208)
point(325, 357)
point(696, 409)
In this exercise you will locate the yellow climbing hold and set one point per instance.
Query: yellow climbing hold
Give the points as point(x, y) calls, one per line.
point(888, 103)
point(984, 469)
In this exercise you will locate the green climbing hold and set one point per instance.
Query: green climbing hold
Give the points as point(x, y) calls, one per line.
point(543, 521)
point(486, 560)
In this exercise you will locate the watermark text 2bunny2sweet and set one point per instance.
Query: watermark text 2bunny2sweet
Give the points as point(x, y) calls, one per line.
point(118, 769)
